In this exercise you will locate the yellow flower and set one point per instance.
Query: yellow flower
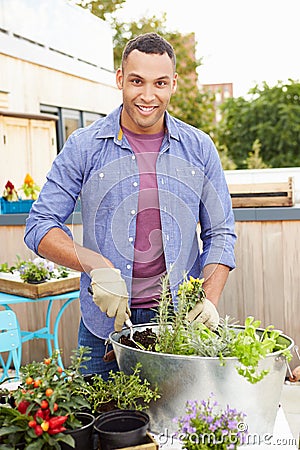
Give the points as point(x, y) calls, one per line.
point(28, 180)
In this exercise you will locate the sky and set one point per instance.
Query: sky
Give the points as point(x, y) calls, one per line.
point(244, 42)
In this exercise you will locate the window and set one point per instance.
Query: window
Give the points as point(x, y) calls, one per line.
point(69, 120)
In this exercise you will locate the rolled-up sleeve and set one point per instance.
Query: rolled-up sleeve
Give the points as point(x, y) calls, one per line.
point(216, 215)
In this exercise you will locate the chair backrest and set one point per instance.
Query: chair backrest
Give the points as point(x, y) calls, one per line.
point(10, 344)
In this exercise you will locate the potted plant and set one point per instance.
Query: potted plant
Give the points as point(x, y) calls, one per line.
point(13, 201)
point(241, 364)
point(205, 426)
point(36, 271)
point(29, 188)
point(47, 404)
point(10, 194)
point(119, 391)
point(176, 335)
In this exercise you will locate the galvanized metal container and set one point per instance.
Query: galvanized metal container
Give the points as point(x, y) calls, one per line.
point(181, 378)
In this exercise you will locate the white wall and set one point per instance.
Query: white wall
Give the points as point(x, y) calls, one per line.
point(55, 53)
point(61, 26)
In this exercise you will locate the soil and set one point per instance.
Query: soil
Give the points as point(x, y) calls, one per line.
point(146, 338)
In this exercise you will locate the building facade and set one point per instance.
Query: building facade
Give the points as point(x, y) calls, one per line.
point(57, 74)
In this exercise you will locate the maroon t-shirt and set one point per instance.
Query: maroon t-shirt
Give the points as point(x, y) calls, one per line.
point(149, 260)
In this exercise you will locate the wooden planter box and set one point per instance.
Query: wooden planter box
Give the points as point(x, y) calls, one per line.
point(10, 285)
point(148, 444)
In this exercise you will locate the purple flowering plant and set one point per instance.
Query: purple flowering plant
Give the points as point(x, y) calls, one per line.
point(37, 270)
point(205, 426)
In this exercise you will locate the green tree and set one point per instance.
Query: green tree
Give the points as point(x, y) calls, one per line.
point(271, 116)
point(254, 160)
point(101, 8)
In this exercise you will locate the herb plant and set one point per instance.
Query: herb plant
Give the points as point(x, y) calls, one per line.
point(176, 335)
point(174, 327)
point(119, 391)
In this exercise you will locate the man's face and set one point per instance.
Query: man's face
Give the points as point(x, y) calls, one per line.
point(148, 82)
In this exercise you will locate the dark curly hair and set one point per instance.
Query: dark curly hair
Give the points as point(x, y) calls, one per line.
point(149, 43)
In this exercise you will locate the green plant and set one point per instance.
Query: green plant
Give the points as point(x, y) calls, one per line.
point(45, 404)
point(205, 426)
point(5, 267)
point(119, 391)
point(39, 269)
point(174, 327)
point(176, 335)
point(34, 272)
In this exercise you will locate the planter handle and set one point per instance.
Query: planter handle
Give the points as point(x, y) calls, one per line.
point(296, 350)
point(108, 355)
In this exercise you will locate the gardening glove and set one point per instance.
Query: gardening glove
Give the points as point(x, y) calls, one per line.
point(110, 294)
point(205, 312)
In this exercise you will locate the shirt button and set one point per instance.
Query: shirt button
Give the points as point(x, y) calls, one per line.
point(130, 239)
point(128, 266)
point(135, 183)
point(101, 175)
point(132, 212)
point(133, 157)
point(193, 172)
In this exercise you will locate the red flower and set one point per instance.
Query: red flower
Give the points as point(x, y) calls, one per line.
point(9, 186)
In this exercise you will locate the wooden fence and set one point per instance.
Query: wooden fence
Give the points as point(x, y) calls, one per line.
point(265, 284)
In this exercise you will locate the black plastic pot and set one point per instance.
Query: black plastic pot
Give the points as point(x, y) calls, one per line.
point(36, 281)
point(121, 428)
point(83, 436)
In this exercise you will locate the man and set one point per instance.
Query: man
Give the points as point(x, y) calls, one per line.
point(145, 180)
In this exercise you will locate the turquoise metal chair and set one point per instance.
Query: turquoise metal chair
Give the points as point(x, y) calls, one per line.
point(10, 345)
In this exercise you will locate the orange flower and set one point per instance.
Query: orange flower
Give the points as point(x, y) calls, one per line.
point(29, 187)
point(28, 180)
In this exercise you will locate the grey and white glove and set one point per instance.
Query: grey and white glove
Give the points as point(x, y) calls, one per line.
point(110, 294)
point(205, 312)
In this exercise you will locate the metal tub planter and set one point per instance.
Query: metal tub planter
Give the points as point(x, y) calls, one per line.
point(182, 378)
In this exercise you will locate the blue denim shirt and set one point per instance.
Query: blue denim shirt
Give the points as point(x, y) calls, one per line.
point(98, 165)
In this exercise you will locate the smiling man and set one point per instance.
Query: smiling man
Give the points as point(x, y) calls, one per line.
point(146, 180)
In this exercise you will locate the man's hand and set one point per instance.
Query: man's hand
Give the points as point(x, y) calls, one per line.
point(205, 312)
point(110, 294)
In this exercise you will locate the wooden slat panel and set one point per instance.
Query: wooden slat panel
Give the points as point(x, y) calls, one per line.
point(273, 291)
point(291, 272)
point(259, 187)
point(262, 194)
